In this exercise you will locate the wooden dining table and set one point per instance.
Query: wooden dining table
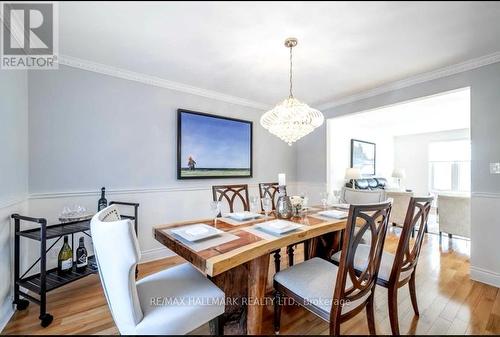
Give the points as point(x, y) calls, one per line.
point(240, 267)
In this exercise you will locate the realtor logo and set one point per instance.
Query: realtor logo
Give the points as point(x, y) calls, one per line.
point(29, 35)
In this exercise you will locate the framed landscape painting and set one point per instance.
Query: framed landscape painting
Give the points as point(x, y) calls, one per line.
point(363, 156)
point(210, 146)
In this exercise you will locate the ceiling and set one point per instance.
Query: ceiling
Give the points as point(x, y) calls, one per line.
point(237, 48)
point(445, 111)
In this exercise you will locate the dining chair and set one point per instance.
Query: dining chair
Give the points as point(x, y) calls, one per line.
point(399, 269)
point(176, 300)
point(336, 293)
point(270, 190)
point(231, 193)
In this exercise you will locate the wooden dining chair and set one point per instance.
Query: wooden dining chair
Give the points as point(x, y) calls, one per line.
point(399, 269)
point(337, 293)
point(270, 190)
point(231, 193)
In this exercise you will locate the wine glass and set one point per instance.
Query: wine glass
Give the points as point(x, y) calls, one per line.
point(324, 198)
point(267, 206)
point(336, 194)
point(254, 204)
point(215, 210)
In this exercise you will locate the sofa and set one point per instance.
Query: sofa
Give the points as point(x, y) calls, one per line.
point(369, 183)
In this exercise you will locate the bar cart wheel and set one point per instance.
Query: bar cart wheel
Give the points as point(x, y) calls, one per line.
point(46, 319)
point(22, 304)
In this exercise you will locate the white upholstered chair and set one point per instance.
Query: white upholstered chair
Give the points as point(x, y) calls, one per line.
point(361, 197)
point(171, 302)
point(400, 202)
point(454, 215)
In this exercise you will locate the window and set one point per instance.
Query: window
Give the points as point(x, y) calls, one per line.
point(449, 166)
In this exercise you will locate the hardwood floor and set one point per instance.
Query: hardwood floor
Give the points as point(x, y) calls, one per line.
point(449, 302)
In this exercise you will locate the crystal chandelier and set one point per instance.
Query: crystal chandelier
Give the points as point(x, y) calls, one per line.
point(291, 119)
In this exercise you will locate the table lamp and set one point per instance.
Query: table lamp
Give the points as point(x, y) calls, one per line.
point(399, 174)
point(353, 173)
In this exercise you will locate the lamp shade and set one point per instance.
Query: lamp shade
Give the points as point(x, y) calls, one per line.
point(352, 173)
point(399, 173)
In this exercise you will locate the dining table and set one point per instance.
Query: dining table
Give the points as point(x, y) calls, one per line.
point(239, 266)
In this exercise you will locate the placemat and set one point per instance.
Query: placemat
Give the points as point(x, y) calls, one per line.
point(204, 244)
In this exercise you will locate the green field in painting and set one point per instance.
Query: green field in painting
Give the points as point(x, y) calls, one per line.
point(204, 172)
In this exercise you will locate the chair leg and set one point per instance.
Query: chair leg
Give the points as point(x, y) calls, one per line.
point(413, 293)
point(277, 312)
point(289, 251)
point(307, 247)
point(277, 260)
point(393, 310)
point(370, 314)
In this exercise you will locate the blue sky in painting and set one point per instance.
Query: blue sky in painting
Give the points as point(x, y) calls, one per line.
point(214, 142)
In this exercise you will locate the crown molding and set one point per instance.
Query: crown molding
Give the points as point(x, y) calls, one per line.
point(104, 69)
point(416, 79)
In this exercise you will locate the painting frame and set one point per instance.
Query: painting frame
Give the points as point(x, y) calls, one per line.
point(180, 176)
point(355, 163)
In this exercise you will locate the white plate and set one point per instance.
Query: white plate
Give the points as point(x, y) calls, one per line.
point(342, 206)
point(196, 232)
point(278, 227)
point(334, 214)
point(242, 216)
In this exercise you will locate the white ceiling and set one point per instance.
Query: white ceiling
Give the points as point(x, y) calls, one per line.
point(446, 111)
point(237, 48)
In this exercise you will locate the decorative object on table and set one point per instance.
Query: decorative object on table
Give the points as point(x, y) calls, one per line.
point(291, 119)
point(210, 146)
point(75, 213)
point(102, 203)
point(363, 156)
point(81, 256)
point(352, 174)
point(283, 206)
point(399, 174)
point(65, 258)
point(282, 179)
point(297, 204)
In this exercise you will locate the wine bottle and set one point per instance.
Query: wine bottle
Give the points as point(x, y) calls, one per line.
point(65, 258)
point(102, 203)
point(81, 256)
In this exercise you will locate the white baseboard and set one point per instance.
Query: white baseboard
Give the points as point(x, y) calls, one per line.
point(6, 313)
point(156, 254)
point(485, 276)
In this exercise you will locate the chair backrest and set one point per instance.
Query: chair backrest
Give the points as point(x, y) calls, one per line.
point(117, 254)
point(269, 190)
point(355, 284)
point(231, 193)
point(361, 197)
point(406, 256)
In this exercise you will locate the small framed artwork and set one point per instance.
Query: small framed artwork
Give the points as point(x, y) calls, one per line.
point(211, 146)
point(363, 156)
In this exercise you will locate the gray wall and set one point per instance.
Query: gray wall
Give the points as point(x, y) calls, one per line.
point(485, 121)
point(13, 172)
point(89, 130)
